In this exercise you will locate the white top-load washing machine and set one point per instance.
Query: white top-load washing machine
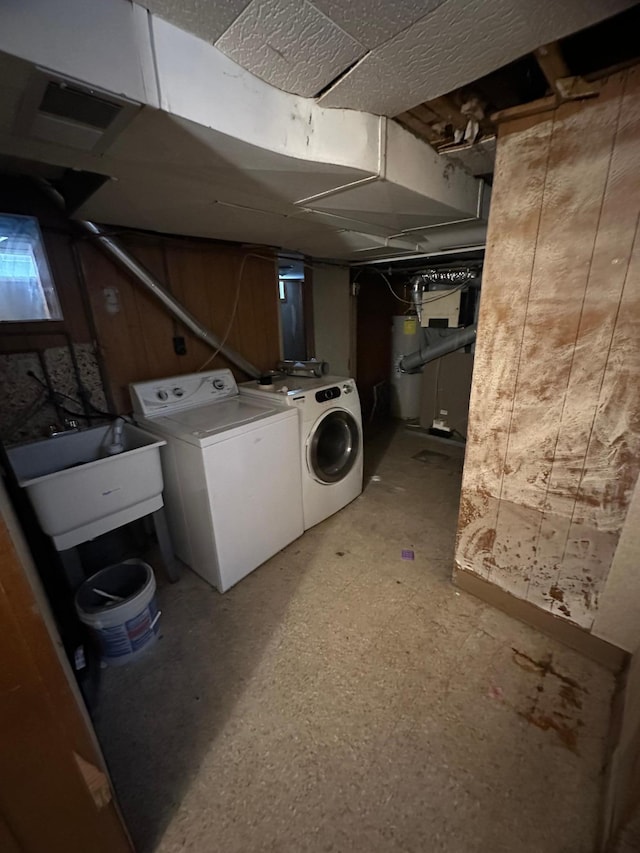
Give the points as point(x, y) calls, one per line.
point(330, 441)
point(231, 470)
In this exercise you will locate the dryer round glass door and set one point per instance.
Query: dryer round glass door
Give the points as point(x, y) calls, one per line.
point(333, 446)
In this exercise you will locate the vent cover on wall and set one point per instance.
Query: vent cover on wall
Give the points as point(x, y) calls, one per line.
point(69, 113)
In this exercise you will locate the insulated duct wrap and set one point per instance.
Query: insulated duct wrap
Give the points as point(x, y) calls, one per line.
point(435, 347)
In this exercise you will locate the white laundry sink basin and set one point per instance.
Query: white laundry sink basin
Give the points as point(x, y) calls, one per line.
point(79, 492)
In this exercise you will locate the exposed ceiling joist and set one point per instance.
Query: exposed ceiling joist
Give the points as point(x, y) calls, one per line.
point(562, 70)
point(552, 64)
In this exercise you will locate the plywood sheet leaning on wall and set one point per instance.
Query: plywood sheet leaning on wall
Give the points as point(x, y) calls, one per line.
point(136, 332)
point(554, 432)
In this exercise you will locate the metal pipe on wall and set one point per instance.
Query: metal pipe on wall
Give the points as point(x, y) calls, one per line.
point(114, 250)
point(429, 351)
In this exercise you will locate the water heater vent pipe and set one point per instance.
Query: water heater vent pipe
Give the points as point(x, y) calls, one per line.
point(432, 349)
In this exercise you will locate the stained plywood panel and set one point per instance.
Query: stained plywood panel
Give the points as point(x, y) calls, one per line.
point(604, 379)
point(514, 221)
point(553, 443)
point(570, 211)
point(232, 292)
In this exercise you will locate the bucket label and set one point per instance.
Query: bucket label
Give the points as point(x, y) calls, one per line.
point(121, 640)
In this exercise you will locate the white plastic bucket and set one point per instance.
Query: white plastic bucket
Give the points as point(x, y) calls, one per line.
point(118, 604)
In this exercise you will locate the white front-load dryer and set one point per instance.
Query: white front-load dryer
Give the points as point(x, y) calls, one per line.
point(330, 439)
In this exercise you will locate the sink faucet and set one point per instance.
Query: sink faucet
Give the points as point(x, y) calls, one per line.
point(68, 425)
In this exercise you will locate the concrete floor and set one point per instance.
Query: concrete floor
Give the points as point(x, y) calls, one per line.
point(342, 698)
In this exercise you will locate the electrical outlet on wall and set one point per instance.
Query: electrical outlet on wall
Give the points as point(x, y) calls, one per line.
point(179, 345)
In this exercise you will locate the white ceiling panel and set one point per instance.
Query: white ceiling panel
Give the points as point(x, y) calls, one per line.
point(453, 236)
point(372, 22)
point(348, 244)
point(219, 166)
point(14, 76)
point(231, 157)
point(390, 205)
point(105, 44)
point(206, 18)
point(456, 44)
point(200, 83)
point(290, 44)
point(142, 201)
point(344, 221)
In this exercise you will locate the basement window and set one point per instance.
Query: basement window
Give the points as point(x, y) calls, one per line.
point(27, 291)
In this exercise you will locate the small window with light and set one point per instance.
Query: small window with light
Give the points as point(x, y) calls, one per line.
point(27, 291)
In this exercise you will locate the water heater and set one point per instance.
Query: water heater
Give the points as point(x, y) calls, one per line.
point(406, 336)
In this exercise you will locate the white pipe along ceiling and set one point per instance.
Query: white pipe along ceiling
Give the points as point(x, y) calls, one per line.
point(202, 146)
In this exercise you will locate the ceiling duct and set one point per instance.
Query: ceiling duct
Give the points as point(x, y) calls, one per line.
point(145, 279)
point(213, 151)
point(65, 112)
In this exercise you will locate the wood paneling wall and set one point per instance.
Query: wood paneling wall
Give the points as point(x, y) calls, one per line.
point(136, 342)
point(554, 431)
point(375, 309)
point(55, 794)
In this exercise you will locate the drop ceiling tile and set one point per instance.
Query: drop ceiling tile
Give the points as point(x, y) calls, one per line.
point(372, 22)
point(456, 44)
point(289, 44)
point(208, 20)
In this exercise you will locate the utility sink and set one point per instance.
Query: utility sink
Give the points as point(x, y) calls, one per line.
point(79, 492)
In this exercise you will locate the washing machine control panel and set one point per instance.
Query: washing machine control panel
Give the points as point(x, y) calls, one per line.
point(162, 396)
point(327, 394)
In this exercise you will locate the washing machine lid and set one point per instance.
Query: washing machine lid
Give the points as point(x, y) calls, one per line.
point(215, 422)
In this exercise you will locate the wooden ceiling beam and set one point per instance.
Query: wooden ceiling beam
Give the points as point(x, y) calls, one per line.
point(529, 109)
point(419, 127)
point(448, 111)
point(426, 115)
point(551, 61)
